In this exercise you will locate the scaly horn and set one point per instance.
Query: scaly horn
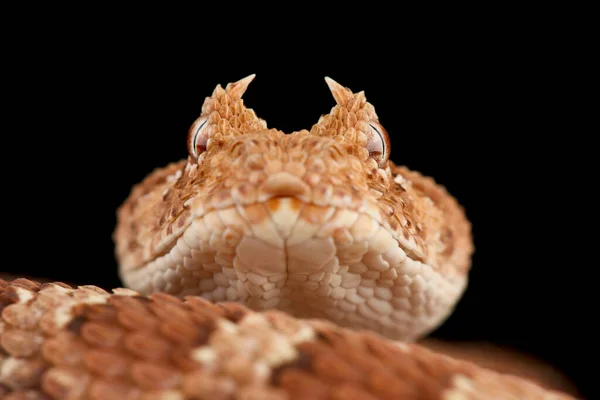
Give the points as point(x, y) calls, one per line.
point(237, 89)
point(340, 93)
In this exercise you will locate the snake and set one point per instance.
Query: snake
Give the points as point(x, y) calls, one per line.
point(265, 265)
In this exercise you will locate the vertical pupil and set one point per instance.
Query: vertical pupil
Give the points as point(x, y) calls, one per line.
point(202, 147)
point(380, 139)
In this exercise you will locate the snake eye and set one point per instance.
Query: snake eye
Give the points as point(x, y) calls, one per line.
point(197, 138)
point(378, 143)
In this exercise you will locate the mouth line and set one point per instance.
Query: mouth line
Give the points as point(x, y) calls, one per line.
point(166, 248)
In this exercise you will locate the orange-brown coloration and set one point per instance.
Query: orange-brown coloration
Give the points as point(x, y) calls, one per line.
point(333, 167)
point(103, 355)
point(273, 204)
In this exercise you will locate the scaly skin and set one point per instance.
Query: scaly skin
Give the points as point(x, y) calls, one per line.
point(58, 342)
point(316, 224)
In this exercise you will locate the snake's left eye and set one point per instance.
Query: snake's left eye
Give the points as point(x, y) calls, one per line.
point(197, 138)
point(378, 143)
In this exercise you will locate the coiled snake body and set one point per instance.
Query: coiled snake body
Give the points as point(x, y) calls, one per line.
point(316, 253)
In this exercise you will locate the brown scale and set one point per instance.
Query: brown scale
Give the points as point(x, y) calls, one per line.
point(121, 346)
point(448, 219)
point(130, 347)
point(347, 364)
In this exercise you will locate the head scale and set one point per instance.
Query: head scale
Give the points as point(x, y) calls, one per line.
point(354, 123)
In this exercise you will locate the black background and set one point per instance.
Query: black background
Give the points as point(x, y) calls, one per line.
point(83, 123)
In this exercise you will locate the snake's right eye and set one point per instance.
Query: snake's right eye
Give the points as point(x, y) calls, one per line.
point(197, 138)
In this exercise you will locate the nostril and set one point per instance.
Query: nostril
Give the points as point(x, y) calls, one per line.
point(285, 184)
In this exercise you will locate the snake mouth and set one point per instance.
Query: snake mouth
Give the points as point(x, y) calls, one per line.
point(312, 261)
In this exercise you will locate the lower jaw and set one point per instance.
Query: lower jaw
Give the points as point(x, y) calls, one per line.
point(326, 263)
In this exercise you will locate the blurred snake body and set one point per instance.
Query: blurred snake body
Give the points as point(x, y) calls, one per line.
point(277, 266)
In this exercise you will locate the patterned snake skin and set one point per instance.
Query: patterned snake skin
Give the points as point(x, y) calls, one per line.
point(276, 267)
point(84, 343)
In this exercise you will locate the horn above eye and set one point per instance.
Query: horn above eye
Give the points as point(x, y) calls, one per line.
point(197, 138)
point(378, 143)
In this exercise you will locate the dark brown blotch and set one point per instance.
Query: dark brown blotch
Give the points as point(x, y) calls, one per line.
point(8, 296)
point(202, 336)
point(98, 312)
point(302, 362)
point(234, 312)
point(76, 323)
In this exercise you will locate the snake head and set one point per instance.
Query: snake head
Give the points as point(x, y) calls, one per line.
point(318, 223)
point(354, 123)
point(223, 115)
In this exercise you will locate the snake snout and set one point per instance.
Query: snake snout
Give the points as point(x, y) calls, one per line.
point(284, 184)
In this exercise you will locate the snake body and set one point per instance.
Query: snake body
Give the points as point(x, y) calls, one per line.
point(264, 266)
